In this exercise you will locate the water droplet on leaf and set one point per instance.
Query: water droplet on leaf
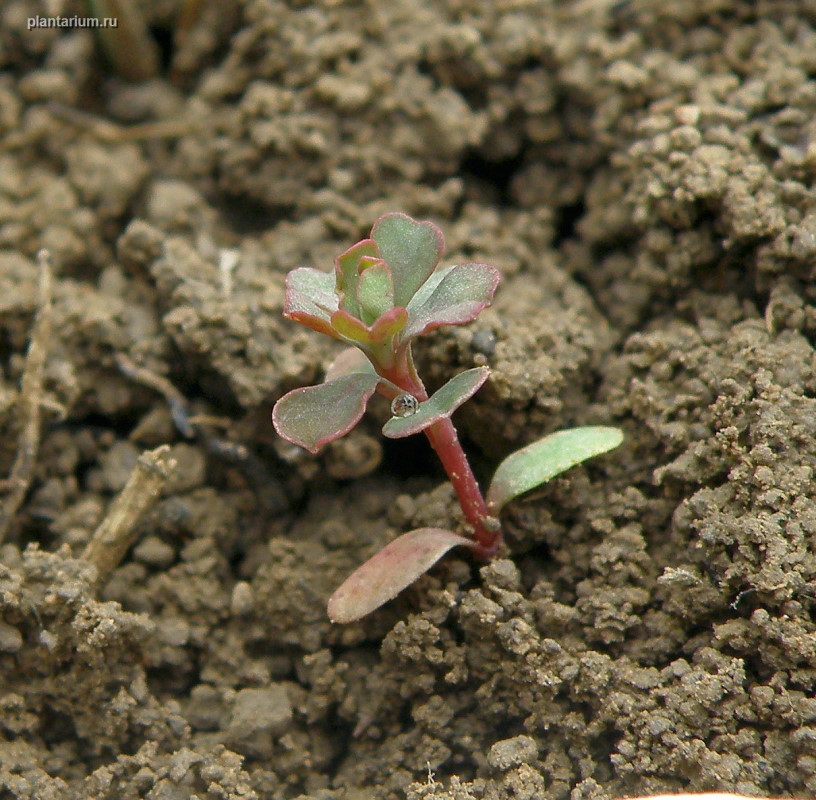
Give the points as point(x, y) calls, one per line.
point(403, 405)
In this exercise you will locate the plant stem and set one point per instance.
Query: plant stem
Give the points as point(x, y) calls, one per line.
point(445, 442)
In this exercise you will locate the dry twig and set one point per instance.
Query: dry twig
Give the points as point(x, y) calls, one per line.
point(179, 408)
point(108, 131)
point(117, 532)
point(198, 427)
point(30, 400)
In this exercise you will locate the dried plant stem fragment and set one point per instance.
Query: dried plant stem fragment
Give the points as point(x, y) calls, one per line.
point(176, 401)
point(197, 427)
point(117, 532)
point(129, 46)
point(30, 400)
point(107, 131)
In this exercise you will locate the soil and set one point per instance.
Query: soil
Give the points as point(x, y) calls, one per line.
point(642, 174)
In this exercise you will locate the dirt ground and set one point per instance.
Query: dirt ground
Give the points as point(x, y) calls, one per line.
point(642, 174)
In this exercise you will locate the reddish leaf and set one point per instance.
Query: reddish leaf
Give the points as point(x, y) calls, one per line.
point(452, 296)
point(390, 571)
point(351, 329)
point(310, 299)
point(316, 415)
point(348, 361)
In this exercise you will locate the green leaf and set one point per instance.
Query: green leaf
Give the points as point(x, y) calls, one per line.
point(310, 298)
point(375, 289)
point(538, 462)
point(458, 296)
point(316, 415)
point(412, 249)
point(347, 273)
point(390, 571)
point(439, 405)
point(429, 287)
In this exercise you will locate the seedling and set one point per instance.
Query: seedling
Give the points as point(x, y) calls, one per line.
point(384, 292)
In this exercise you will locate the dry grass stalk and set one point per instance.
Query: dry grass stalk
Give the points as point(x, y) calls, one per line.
point(30, 401)
point(117, 532)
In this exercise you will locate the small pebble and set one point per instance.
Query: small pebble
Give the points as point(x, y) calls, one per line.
point(206, 709)
point(154, 552)
point(118, 463)
point(174, 631)
point(484, 342)
point(511, 752)
point(259, 717)
point(242, 601)
point(11, 640)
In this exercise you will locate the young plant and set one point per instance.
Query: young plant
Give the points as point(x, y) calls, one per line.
point(384, 292)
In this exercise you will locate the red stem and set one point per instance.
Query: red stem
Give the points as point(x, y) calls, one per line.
point(445, 442)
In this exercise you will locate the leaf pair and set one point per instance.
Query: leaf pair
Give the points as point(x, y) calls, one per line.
point(315, 415)
point(409, 556)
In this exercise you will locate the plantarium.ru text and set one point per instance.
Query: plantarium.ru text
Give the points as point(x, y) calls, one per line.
point(384, 292)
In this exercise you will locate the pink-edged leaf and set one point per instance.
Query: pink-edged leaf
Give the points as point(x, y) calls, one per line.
point(544, 459)
point(316, 415)
point(442, 403)
point(411, 248)
point(390, 571)
point(346, 272)
point(351, 328)
point(310, 298)
point(347, 362)
point(375, 289)
point(455, 297)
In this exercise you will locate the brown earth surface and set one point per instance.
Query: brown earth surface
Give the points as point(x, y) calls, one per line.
point(642, 173)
